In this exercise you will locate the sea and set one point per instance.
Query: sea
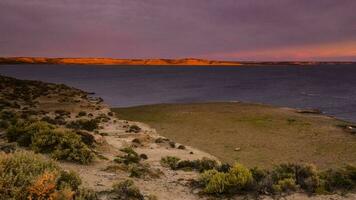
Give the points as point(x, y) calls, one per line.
point(329, 88)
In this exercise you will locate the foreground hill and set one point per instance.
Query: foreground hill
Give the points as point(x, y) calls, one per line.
point(147, 62)
point(59, 142)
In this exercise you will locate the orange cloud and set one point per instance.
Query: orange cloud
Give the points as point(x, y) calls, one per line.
point(342, 51)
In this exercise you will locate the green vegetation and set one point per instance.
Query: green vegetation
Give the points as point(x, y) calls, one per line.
point(84, 124)
point(237, 179)
point(125, 190)
point(170, 161)
point(44, 138)
point(25, 175)
point(129, 157)
point(284, 178)
point(264, 135)
point(198, 165)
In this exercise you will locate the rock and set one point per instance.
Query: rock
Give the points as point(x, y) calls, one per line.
point(237, 149)
point(172, 144)
point(309, 111)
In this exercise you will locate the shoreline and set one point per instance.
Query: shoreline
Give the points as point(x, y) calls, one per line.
point(317, 111)
point(158, 62)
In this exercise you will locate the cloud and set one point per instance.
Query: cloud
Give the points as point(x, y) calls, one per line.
point(161, 28)
point(343, 51)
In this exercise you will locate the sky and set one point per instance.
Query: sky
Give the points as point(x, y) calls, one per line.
point(247, 30)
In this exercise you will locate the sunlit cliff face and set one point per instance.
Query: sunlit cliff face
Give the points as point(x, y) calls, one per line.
point(343, 51)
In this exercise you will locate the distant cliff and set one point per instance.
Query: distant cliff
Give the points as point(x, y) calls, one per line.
point(112, 61)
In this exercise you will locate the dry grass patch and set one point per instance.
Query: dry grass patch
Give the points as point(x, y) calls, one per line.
point(263, 135)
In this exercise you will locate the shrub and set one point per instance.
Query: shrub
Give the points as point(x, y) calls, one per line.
point(170, 161)
point(23, 132)
point(68, 179)
point(284, 185)
point(82, 113)
point(88, 125)
point(125, 190)
point(4, 124)
point(237, 179)
point(25, 175)
point(134, 129)
point(340, 179)
point(71, 148)
point(43, 188)
point(217, 183)
point(63, 145)
point(129, 157)
point(42, 137)
point(239, 176)
point(198, 165)
point(138, 171)
point(86, 194)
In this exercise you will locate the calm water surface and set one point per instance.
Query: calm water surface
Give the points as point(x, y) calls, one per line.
point(331, 88)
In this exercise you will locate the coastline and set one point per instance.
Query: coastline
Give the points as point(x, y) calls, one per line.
point(157, 62)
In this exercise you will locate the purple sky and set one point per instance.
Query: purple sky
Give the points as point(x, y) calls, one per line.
point(214, 29)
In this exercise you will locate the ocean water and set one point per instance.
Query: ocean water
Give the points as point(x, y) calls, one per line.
point(330, 88)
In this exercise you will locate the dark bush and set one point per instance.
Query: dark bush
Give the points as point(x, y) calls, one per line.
point(83, 124)
point(170, 161)
point(134, 129)
point(68, 179)
point(129, 157)
point(23, 132)
point(82, 114)
point(125, 190)
point(143, 156)
point(172, 144)
point(42, 137)
point(198, 165)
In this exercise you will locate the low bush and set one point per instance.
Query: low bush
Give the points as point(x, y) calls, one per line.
point(82, 114)
point(23, 132)
point(134, 129)
point(170, 161)
point(86, 194)
point(129, 157)
point(44, 138)
point(25, 175)
point(198, 165)
point(125, 190)
point(143, 171)
point(284, 185)
point(84, 124)
point(283, 178)
point(236, 180)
